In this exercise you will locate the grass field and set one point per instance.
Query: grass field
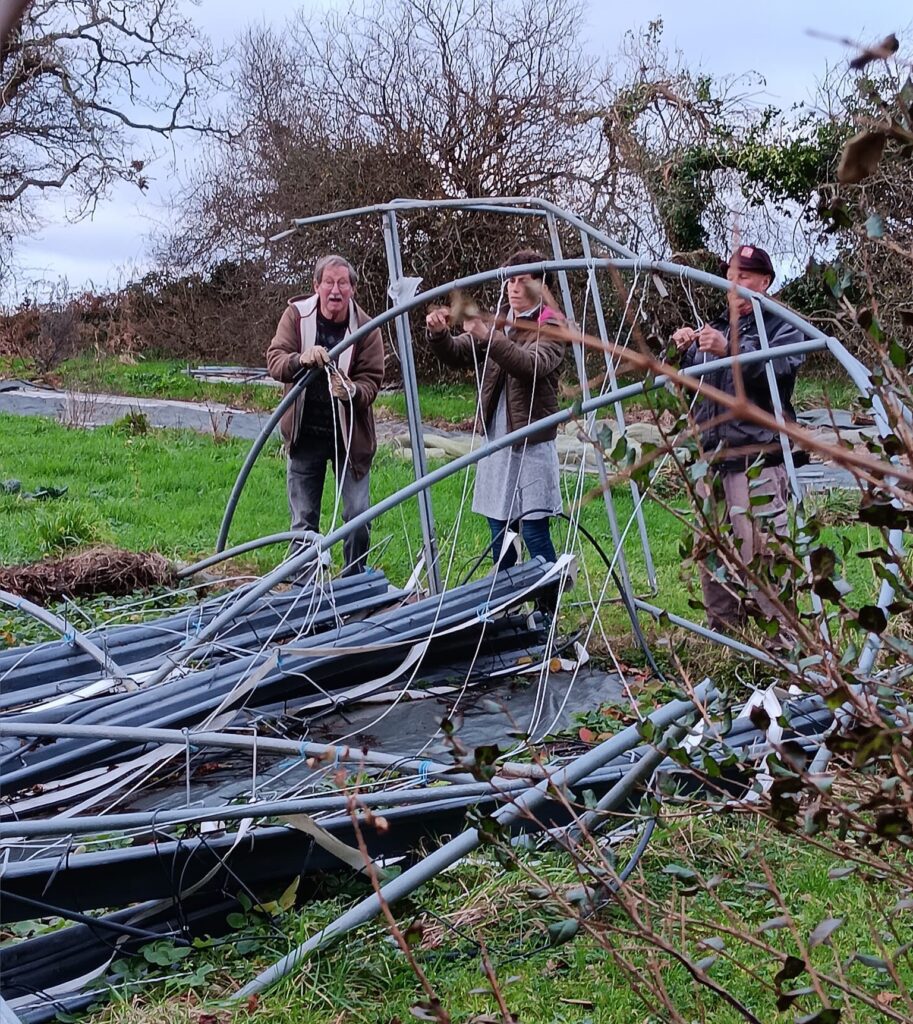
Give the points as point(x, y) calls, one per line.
point(367, 978)
point(166, 490)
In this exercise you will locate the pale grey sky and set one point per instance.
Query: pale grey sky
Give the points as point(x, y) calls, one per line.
point(769, 38)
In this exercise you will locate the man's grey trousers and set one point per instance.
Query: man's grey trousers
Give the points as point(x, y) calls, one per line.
point(305, 478)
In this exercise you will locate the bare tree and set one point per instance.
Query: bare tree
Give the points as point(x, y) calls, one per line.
point(80, 80)
point(418, 98)
point(671, 180)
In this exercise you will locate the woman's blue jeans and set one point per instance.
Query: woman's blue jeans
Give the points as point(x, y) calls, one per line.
point(536, 534)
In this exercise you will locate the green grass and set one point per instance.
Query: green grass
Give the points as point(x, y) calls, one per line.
point(158, 378)
point(818, 392)
point(166, 490)
point(448, 403)
point(367, 978)
point(16, 366)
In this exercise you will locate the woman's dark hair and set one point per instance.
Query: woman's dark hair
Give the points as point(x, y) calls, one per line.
point(522, 256)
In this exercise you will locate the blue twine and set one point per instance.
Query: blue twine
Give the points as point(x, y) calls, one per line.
point(423, 767)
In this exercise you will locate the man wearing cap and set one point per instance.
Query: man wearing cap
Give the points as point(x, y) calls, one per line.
point(332, 421)
point(734, 445)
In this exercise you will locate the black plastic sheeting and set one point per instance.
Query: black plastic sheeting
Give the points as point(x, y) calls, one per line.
point(226, 776)
point(165, 867)
point(453, 625)
point(36, 966)
point(262, 861)
point(516, 704)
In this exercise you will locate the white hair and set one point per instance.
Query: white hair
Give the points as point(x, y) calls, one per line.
point(334, 261)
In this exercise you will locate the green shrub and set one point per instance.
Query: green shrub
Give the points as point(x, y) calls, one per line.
point(135, 423)
point(68, 525)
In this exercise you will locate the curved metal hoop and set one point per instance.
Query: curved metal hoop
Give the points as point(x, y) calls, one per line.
point(625, 261)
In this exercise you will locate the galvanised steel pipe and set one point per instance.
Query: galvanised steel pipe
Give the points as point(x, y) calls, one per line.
point(7, 1016)
point(223, 741)
point(579, 352)
point(742, 734)
point(629, 766)
point(442, 291)
point(705, 631)
point(563, 416)
point(619, 410)
point(638, 774)
point(478, 206)
point(862, 378)
point(316, 804)
point(467, 841)
point(66, 629)
point(298, 562)
point(456, 791)
point(413, 412)
point(242, 549)
point(786, 450)
point(496, 204)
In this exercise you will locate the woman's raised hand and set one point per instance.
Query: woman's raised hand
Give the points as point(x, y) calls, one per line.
point(437, 320)
point(477, 327)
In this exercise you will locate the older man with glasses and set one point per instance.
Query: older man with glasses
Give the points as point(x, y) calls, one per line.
point(332, 421)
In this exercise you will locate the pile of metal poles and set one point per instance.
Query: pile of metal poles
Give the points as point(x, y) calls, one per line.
point(105, 722)
point(88, 756)
point(188, 884)
point(339, 664)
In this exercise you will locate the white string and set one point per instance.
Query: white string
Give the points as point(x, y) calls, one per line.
point(339, 476)
point(686, 286)
point(452, 557)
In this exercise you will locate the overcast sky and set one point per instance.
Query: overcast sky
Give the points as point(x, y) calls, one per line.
point(769, 38)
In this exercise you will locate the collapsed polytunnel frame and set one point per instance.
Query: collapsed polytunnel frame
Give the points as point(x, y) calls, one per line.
point(611, 397)
point(181, 684)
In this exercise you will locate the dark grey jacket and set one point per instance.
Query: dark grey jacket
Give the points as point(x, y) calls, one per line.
point(736, 434)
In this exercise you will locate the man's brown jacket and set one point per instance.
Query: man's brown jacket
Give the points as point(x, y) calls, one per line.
point(363, 363)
